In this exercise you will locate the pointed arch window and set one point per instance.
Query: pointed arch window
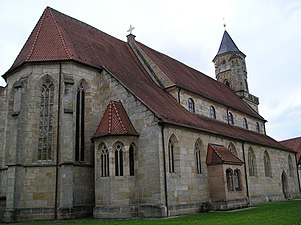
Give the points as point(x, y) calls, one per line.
point(226, 82)
point(197, 150)
point(171, 156)
point(212, 112)
point(230, 118)
point(257, 127)
point(252, 163)
point(80, 124)
point(118, 160)
point(267, 165)
point(46, 121)
point(229, 177)
point(104, 160)
point(290, 166)
point(132, 160)
point(232, 149)
point(191, 105)
point(237, 180)
point(245, 123)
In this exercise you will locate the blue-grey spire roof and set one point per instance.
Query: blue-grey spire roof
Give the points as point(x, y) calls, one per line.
point(227, 45)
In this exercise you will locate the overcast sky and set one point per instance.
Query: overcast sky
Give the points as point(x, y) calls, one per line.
point(268, 32)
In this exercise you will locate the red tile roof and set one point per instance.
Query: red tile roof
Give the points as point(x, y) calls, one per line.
point(115, 121)
point(58, 37)
point(218, 154)
point(295, 144)
point(197, 82)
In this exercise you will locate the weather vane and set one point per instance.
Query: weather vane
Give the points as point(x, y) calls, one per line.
point(224, 23)
point(131, 29)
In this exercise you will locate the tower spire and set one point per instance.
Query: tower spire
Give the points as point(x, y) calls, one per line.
point(230, 69)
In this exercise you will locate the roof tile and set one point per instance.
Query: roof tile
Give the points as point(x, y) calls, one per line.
point(115, 122)
point(295, 144)
point(60, 37)
point(218, 154)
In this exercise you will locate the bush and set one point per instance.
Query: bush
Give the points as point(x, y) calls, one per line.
point(206, 207)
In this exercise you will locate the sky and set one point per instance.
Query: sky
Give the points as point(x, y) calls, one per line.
point(268, 32)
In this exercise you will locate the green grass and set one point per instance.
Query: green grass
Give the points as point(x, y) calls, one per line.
point(282, 213)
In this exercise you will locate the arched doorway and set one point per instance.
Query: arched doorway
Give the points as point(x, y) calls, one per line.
point(284, 185)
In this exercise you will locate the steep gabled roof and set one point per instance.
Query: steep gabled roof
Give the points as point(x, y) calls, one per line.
point(197, 82)
point(115, 121)
point(295, 144)
point(74, 40)
point(218, 154)
point(227, 45)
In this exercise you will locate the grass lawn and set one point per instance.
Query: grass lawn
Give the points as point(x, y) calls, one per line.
point(282, 213)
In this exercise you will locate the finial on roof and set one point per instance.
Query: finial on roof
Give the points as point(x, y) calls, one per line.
point(131, 29)
point(224, 24)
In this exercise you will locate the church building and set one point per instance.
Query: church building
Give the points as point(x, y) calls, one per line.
point(91, 125)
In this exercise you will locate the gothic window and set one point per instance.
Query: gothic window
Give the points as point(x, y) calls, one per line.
point(290, 166)
point(230, 118)
point(246, 84)
point(229, 177)
point(226, 82)
point(118, 160)
point(46, 121)
point(237, 180)
point(267, 165)
point(132, 160)
point(191, 105)
point(252, 163)
point(197, 150)
point(232, 149)
point(80, 124)
point(104, 160)
point(245, 123)
point(212, 112)
point(171, 156)
point(257, 127)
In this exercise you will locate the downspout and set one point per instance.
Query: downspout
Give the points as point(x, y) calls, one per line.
point(164, 169)
point(297, 164)
point(57, 145)
point(246, 175)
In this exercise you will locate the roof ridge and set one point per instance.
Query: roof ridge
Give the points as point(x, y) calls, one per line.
point(60, 33)
point(110, 118)
point(37, 35)
point(118, 117)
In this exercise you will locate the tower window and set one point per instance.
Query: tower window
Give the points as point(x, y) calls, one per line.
point(257, 127)
point(191, 105)
point(46, 121)
point(226, 82)
point(212, 112)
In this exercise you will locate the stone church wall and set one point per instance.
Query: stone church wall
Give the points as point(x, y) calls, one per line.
point(146, 198)
point(202, 106)
point(262, 188)
point(36, 193)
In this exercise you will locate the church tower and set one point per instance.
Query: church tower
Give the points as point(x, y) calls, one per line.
point(230, 69)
